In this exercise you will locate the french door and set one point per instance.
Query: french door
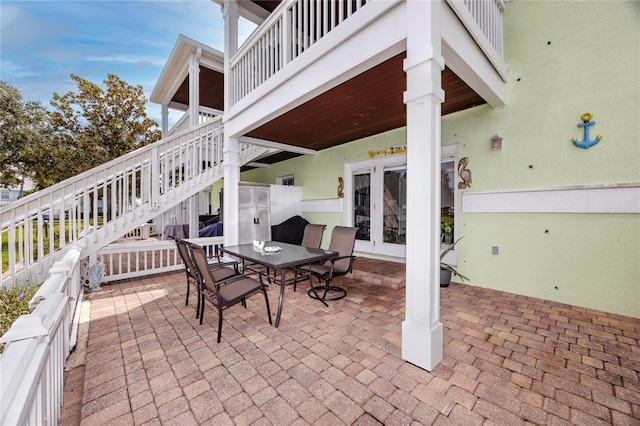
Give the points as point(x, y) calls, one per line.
point(376, 204)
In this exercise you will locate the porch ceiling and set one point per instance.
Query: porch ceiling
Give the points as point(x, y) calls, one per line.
point(368, 104)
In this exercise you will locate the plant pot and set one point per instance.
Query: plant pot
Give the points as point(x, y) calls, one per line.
point(445, 278)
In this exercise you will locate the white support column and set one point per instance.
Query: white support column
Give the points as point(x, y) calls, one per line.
point(194, 87)
point(231, 147)
point(231, 158)
point(165, 120)
point(231, 15)
point(422, 329)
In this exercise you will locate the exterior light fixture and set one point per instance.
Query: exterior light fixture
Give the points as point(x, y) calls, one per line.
point(496, 143)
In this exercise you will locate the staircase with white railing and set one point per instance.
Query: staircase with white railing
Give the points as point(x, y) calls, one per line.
point(101, 205)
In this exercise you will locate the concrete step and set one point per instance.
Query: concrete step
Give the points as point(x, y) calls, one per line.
point(379, 272)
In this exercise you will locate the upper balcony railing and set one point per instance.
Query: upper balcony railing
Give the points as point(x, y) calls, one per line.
point(289, 31)
point(297, 25)
point(204, 114)
point(488, 16)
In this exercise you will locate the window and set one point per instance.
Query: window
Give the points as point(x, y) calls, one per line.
point(285, 180)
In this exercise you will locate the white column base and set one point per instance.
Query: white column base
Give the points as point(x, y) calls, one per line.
point(422, 346)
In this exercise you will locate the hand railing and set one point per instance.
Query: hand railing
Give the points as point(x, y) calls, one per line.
point(98, 206)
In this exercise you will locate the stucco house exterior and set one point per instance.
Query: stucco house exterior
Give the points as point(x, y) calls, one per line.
point(563, 220)
point(510, 127)
point(512, 124)
point(541, 216)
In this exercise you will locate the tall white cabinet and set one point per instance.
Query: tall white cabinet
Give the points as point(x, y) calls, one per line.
point(255, 216)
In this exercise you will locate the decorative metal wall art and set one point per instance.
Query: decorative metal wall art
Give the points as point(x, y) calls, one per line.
point(465, 174)
point(586, 123)
point(389, 151)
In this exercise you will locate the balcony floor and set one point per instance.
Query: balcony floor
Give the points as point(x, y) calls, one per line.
point(508, 359)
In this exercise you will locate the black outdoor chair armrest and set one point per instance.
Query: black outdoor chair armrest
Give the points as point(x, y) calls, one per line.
point(235, 278)
point(335, 259)
point(218, 264)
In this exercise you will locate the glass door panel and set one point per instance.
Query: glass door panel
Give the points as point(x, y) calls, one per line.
point(394, 205)
point(447, 200)
point(377, 206)
point(362, 205)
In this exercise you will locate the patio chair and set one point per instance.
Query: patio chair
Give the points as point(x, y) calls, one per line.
point(343, 239)
point(221, 270)
point(312, 238)
point(223, 293)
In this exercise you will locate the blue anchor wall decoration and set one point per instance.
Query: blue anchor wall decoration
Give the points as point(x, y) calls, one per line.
point(586, 142)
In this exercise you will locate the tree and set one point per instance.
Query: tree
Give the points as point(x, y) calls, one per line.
point(23, 124)
point(92, 126)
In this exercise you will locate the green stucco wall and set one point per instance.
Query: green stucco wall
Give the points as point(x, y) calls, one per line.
point(564, 58)
point(318, 174)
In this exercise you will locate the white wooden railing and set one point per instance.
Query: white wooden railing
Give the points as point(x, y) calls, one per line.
point(204, 114)
point(130, 260)
point(143, 232)
point(296, 25)
point(36, 348)
point(488, 16)
point(289, 31)
point(97, 207)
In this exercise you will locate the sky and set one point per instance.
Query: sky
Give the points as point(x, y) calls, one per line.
point(43, 42)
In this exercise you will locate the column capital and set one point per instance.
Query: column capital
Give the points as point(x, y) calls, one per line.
point(423, 79)
point(427, 57)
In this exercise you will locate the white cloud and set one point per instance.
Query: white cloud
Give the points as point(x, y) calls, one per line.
point(43, 42)
point(10, 14)
point(9, 67)
point(128, 59)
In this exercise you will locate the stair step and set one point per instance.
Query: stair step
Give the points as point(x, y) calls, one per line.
point(379, 272)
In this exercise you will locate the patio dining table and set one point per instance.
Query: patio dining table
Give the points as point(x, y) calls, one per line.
point(289, 256)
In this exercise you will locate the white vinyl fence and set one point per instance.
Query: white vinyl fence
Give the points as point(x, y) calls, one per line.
point(36, 348)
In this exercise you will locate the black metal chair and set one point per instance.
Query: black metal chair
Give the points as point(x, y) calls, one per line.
point(343, 239)
point(223, 293)
point(221, 270)
point(312, 238)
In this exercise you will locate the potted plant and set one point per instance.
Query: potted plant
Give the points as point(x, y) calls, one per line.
point(447, 270)
point(446, 231)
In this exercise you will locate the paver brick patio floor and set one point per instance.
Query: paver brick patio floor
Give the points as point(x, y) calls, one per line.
point(508, 360)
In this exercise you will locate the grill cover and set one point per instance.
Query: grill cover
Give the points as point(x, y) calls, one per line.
point(290, 231)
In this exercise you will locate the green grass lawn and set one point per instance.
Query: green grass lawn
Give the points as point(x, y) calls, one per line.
point(46, 237)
